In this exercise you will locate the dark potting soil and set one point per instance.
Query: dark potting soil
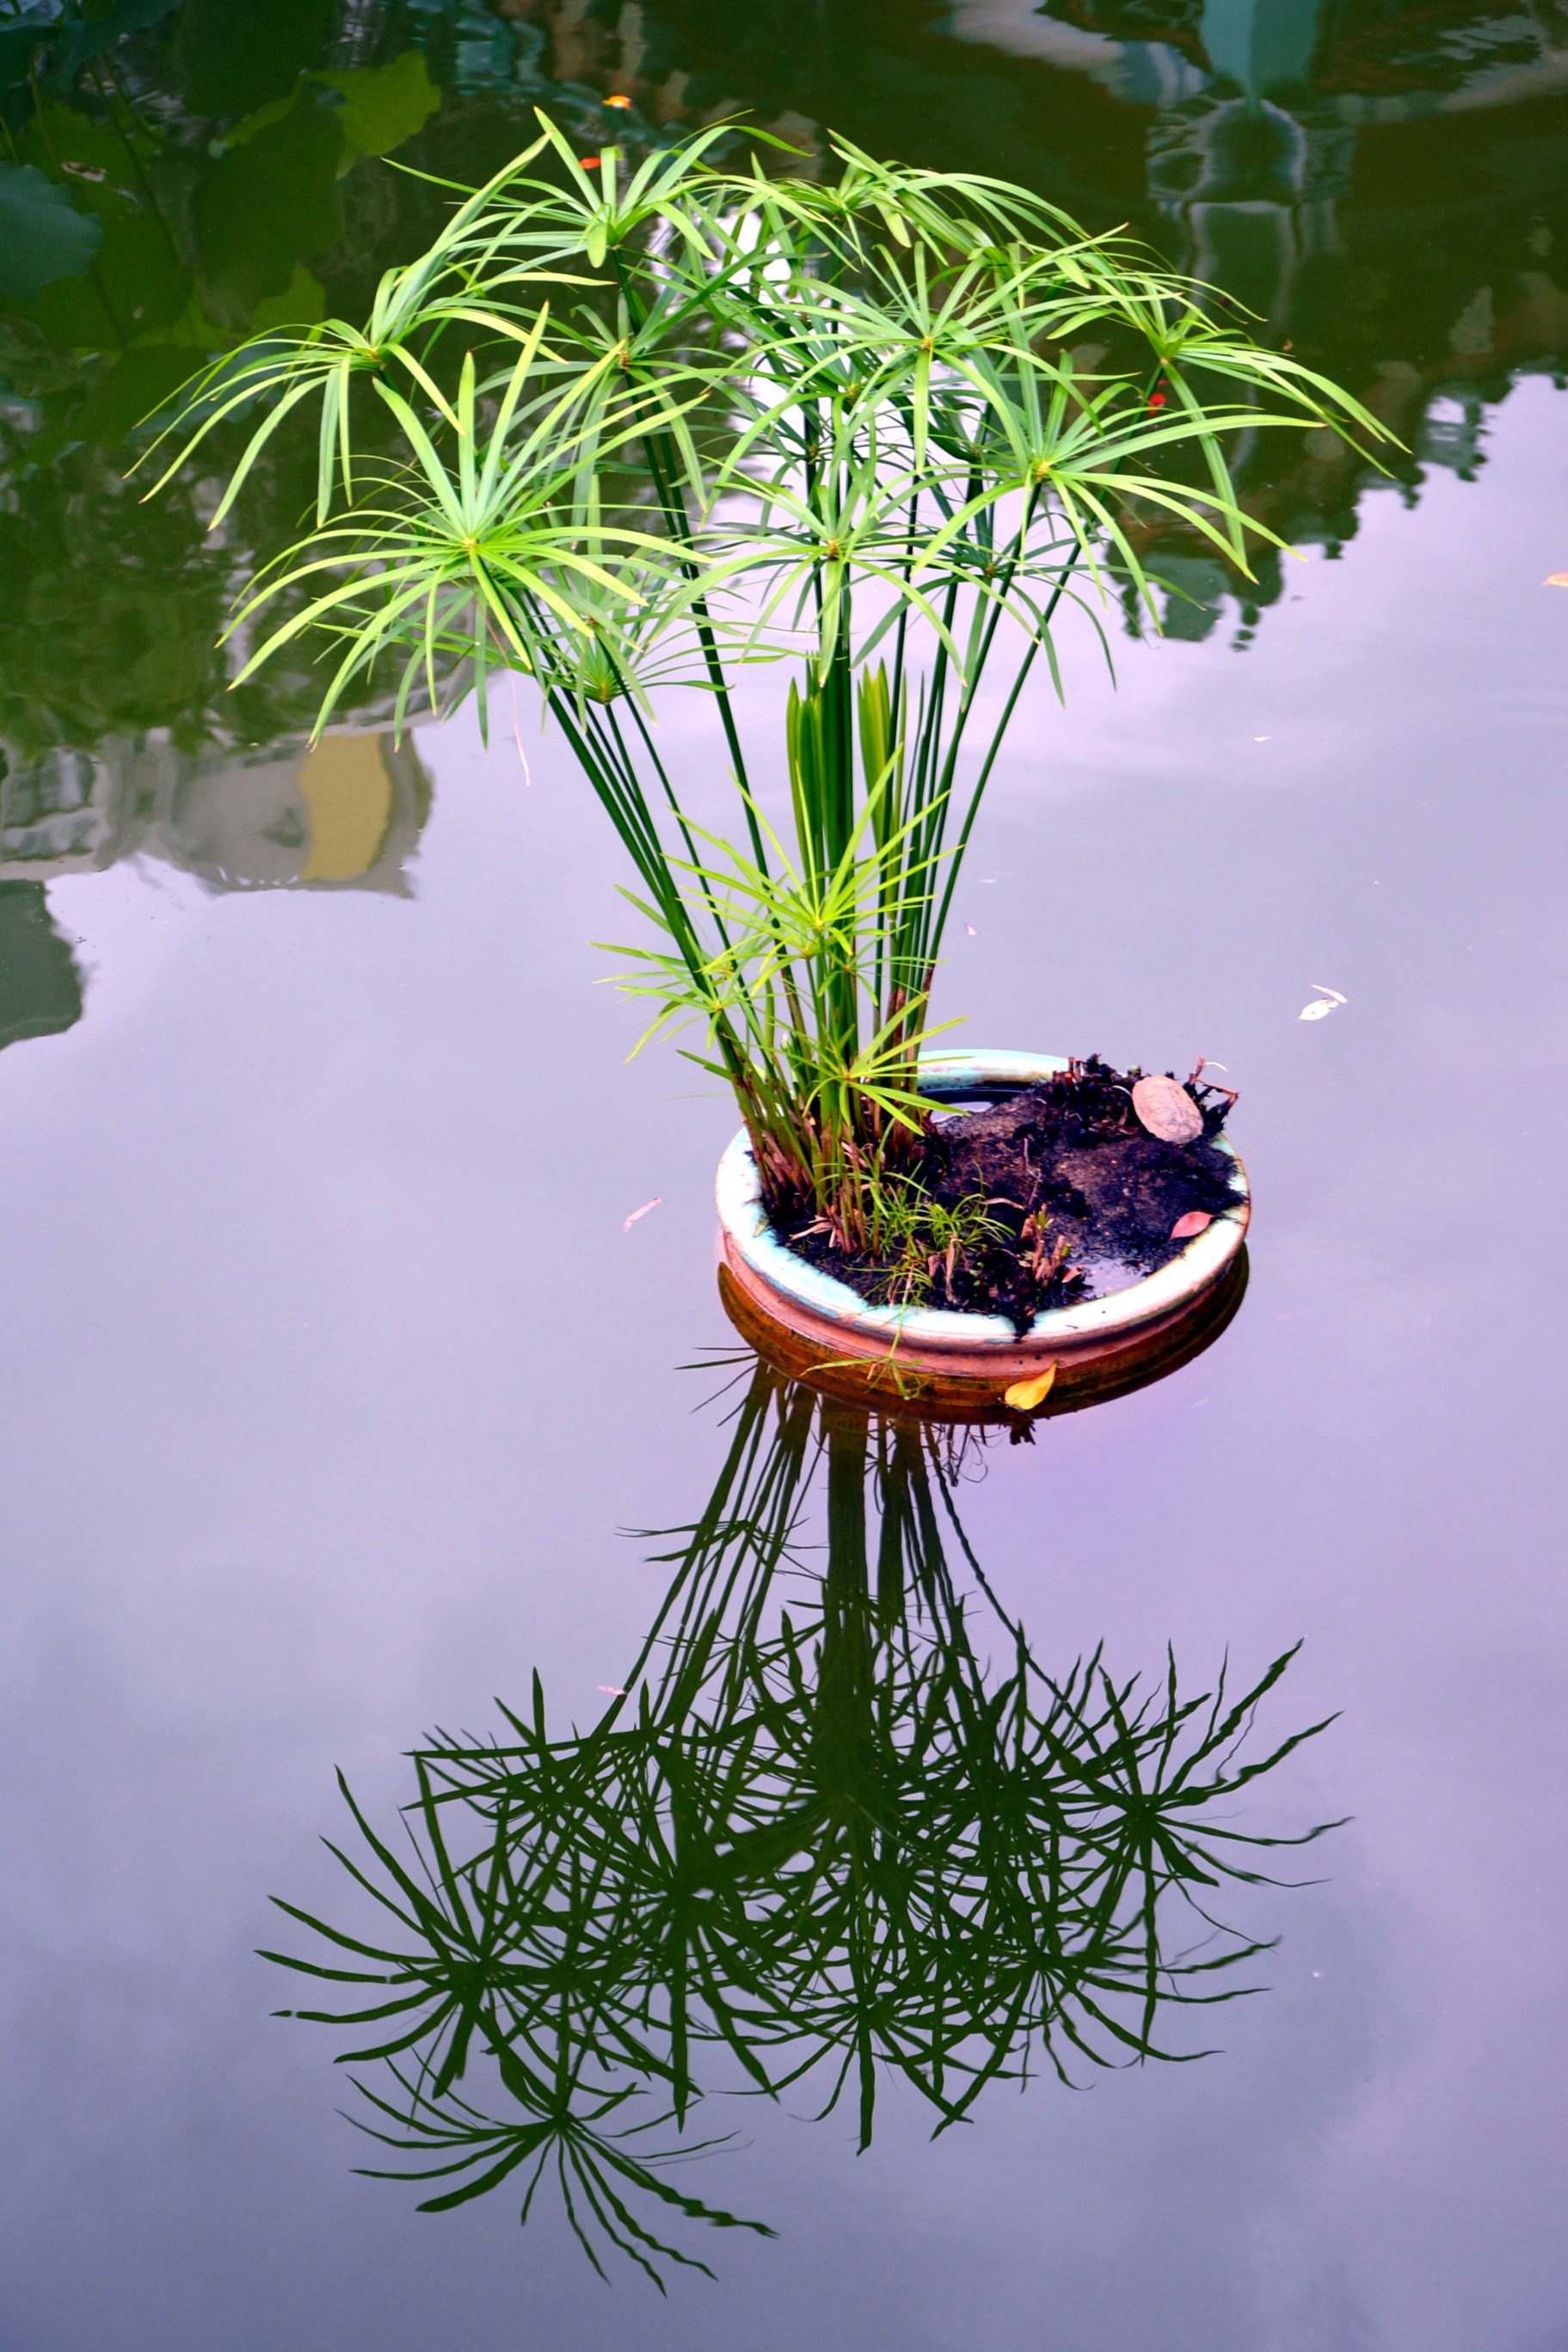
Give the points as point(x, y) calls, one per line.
point(1070, 1151)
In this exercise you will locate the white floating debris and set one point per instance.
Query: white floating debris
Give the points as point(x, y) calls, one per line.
point(656, 1203)
point(1327, 1000)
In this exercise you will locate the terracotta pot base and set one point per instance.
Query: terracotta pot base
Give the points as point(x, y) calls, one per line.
point(824, 1361)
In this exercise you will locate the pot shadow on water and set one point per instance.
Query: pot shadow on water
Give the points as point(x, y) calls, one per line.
point(841, 1829)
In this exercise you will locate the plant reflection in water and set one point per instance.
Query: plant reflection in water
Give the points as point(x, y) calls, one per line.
point(842, 1825)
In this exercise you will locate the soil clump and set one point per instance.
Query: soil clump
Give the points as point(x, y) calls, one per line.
point(1047, 1195)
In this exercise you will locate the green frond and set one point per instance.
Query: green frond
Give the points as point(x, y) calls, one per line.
point(629, 432)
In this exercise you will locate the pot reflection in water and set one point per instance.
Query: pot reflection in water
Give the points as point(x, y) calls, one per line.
point(818, 1842)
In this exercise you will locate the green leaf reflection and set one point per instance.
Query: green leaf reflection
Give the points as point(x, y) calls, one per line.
point(42, 235)
point(841, 1829)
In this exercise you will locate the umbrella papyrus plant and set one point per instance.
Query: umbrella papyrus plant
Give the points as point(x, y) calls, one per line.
point(635, 433)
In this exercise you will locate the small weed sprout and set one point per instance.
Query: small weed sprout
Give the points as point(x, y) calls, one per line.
point(923, 1240)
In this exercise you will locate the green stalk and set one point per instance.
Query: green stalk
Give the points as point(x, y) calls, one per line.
point(664, 465)
point(997, 732)
point(669, 791)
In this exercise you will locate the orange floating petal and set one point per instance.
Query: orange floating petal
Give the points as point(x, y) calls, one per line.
point(1024, 1395)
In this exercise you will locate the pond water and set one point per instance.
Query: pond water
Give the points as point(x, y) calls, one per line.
point(339, 1373)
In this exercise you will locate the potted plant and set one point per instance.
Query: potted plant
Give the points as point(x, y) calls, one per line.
point(636, 435)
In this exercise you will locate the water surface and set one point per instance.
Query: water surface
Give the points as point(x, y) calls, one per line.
point(332, 1375)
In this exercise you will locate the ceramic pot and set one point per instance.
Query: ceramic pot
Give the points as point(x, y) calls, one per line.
point(819, 1329)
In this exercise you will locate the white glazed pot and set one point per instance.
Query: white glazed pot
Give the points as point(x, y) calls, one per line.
point(819, 1330)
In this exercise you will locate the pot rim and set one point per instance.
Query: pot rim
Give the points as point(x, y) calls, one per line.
point(1155, 1297)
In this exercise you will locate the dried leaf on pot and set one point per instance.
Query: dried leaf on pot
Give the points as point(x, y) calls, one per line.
point(1167, 1110)
point(1024, 1395)
point(1193, 1222)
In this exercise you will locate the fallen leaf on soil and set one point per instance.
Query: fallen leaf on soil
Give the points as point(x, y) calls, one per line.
point(658, 1202)
point(1024, 1395)
point(1193, 1222)
point(1167, 1110)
